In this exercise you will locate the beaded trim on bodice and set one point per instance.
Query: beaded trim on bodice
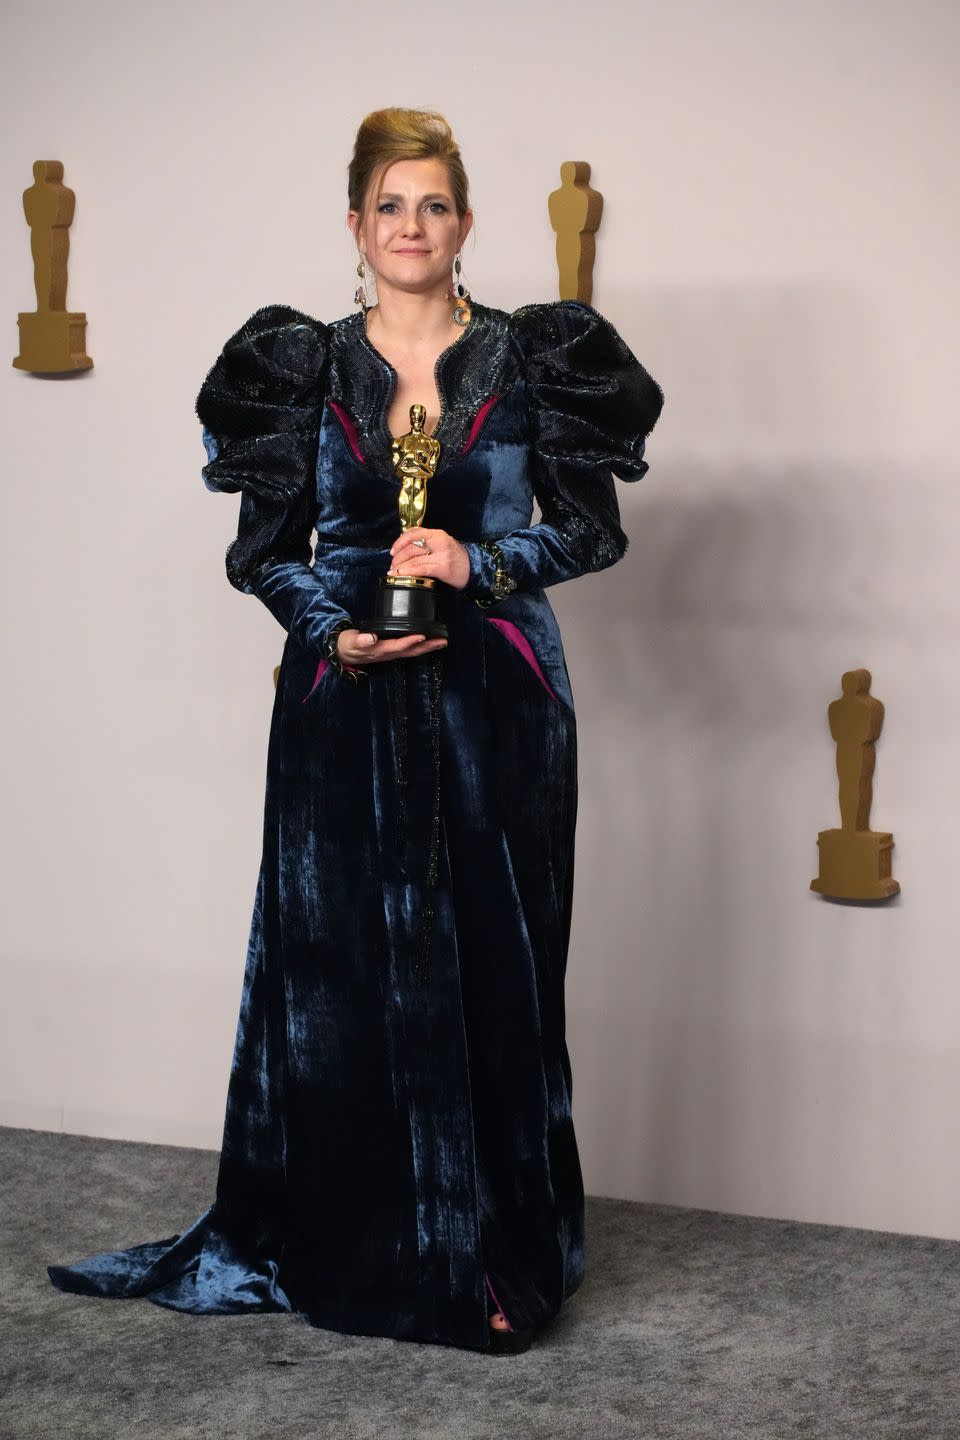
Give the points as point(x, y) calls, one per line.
point(479, 364)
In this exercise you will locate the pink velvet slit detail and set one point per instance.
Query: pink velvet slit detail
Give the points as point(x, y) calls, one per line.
point(517, 638)
point(479, 420)
point(349, 429)
point(321, 668)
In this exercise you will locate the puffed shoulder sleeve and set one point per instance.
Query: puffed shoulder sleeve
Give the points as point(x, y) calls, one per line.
point(260, 407)
point(592, 402)
point(591, 407)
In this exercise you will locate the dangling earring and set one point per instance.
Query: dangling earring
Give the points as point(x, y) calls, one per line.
point(460, 293)
point(360, 298)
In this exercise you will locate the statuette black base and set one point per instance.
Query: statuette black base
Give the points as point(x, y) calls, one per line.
point(406, 609)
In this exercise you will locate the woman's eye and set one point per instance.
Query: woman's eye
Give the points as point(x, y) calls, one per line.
point(391, 205)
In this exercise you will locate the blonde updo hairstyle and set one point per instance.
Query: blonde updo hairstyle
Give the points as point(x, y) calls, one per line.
point(386, 136)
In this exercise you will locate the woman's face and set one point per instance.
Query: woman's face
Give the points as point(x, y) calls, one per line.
point(411, 231)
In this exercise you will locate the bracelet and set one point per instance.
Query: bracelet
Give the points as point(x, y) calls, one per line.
point(503, 583)
point(330, 650)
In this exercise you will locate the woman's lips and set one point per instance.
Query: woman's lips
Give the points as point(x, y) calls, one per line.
point(411, 252)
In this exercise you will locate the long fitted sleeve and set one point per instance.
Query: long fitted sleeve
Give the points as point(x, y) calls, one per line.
point(260, 408)
point(592, 405)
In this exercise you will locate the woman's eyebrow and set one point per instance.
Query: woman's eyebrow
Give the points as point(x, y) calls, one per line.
point(390, 195)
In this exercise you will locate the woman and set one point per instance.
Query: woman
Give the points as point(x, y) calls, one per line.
point(398, 1152)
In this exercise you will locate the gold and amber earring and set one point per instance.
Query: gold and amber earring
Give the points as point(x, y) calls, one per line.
point(360, 297)
point(461, 311)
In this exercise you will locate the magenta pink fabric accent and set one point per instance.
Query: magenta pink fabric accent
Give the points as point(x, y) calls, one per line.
point(349, 429)
point(495, 1300)
point(517, 637)
point(479, 420)
point(317, 678)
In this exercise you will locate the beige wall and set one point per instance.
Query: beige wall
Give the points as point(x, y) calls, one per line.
point(779, 246)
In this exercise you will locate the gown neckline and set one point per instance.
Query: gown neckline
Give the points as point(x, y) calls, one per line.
point(359, 322)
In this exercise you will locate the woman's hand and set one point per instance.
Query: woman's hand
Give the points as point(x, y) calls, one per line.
point(440, 556)
point(360, 647)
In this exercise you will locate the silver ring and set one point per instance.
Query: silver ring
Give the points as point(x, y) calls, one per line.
point(422, 543)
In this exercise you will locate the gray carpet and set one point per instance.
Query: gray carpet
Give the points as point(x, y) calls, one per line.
point(690, 1324)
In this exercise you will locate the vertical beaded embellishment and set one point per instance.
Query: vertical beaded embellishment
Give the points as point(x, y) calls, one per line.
point(433, 859)
point(398, 678)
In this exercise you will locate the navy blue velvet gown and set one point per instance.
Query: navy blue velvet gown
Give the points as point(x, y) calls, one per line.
point(398, 1147)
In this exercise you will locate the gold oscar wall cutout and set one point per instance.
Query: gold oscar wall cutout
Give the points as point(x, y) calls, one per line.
point(855, 860)
point(52, 339)
point(575, 211)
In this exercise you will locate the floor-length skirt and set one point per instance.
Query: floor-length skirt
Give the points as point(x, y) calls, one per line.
point(398, 1145)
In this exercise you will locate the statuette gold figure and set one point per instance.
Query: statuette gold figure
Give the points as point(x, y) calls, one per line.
point(407, 604)
point(414, 457)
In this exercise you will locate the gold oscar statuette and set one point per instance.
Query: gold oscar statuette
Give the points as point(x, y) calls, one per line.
point(407, 604)
point(855, 860)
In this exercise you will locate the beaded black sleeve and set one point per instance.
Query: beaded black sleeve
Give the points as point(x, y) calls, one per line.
point(592, 405)
point(262, 398)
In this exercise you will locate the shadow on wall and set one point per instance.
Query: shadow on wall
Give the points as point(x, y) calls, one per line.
point(772, 501)
point(769, 371)
point(789, 558)
point(701, 667)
